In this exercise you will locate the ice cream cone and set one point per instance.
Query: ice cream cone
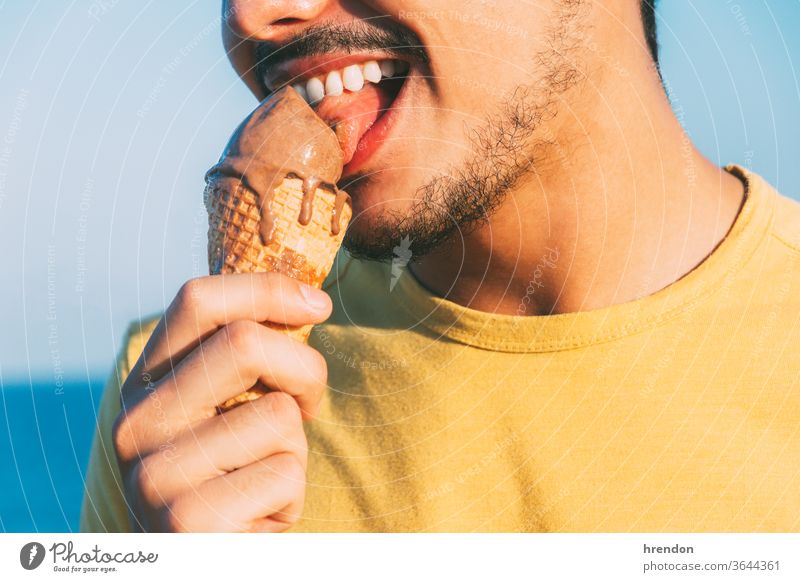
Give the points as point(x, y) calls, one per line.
point(302, 251)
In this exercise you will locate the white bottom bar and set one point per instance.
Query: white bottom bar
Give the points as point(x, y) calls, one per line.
point(355, 557)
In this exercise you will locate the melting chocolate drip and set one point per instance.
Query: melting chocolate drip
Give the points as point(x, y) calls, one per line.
point(310, 185)
point(342, 198)
point(266, 226)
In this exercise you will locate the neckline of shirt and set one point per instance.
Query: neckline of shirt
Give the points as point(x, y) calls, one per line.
point(549, 333)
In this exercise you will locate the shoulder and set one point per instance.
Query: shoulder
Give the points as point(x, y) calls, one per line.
point(782, 212)
point(786, 226)
point(104, 508)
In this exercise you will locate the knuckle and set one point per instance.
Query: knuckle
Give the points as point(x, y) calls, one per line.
point(144, 481)
point(243, 338)
point(283, 409)
point(274, 283)
point(120, 433)
point(189, 297)
point(317, 366)
point(297, 444)
point(289, 468)
point(122, 436)
point(133, 431)
point(292, 482)
point(314, 373)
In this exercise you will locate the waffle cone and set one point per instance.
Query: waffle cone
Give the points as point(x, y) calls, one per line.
point(303, 252)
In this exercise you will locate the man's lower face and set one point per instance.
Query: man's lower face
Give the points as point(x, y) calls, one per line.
point(434, 129)
point(395, 139)
point(415, 170)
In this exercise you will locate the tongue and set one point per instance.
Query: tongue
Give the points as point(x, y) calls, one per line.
point(350, 131)
point(352, 114)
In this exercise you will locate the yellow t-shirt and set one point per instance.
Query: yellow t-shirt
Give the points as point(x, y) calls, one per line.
point(676, 412)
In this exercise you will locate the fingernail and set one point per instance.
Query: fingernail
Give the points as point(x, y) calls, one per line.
point(315, 298)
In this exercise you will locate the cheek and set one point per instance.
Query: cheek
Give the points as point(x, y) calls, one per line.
point(471, 93)
point(485, 49)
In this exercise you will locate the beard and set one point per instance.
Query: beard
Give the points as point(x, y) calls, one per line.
point(454, 203)
point(506, 147)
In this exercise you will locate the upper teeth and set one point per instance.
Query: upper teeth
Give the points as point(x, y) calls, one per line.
point(352, 78)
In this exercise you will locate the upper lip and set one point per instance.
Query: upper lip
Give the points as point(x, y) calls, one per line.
point(304, 68)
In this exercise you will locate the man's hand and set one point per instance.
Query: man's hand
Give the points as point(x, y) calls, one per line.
point(186, 468)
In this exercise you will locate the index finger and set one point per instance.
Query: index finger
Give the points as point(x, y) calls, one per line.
point(204, 305)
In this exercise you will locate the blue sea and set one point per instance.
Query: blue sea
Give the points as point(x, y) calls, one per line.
point(45, 435)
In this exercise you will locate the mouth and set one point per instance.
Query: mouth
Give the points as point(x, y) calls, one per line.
point(358, 96)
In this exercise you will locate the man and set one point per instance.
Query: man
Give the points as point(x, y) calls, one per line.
point(555, 314)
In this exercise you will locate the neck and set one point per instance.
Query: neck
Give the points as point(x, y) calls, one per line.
point(619, 210)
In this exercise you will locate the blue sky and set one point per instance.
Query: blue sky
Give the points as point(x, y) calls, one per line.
point(111, 111)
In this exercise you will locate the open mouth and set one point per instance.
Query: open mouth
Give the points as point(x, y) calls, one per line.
point(356, 96)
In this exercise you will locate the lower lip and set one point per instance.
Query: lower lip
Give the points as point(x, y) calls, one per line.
point(376, 135)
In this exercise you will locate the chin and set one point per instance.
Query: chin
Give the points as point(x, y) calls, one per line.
point(386, 208)
point(374, 231)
